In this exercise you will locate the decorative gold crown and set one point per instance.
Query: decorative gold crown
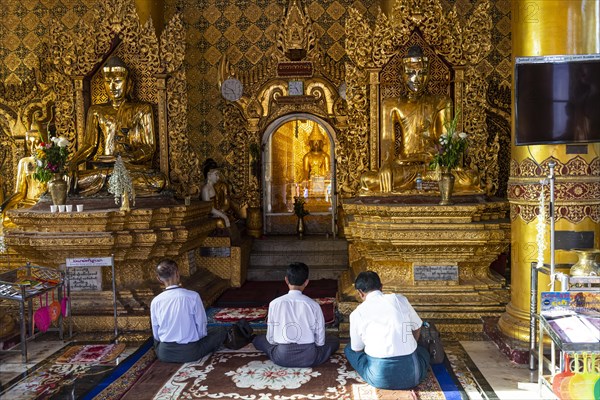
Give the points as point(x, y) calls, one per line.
point(316, 134)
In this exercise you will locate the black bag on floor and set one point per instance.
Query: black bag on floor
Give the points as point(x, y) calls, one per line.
point(430, 339)
point(239, 335)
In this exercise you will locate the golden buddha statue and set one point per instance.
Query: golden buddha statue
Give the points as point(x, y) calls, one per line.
point(412, 126)
point(28, 190)
point(118, 127)
point(316, 162)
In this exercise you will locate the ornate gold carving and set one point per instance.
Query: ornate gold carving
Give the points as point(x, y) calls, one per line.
point(157, 68)
point(576, 189)
point(463, 45)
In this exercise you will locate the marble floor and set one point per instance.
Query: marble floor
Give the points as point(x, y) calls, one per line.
point(495, 376)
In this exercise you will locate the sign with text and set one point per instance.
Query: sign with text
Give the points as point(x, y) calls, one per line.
point(294, 69)
point(435, 272)
point(85, 273)
point(85, 278)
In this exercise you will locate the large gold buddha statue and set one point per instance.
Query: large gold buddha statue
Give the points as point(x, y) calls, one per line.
point(410, 130)
point(119, 127)
point(28, 190)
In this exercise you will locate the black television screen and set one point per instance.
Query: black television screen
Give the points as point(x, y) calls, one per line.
point(557, 99)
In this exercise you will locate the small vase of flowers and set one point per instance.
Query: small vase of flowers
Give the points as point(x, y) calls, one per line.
point(451, 148)
point(300, 212)
point(51, 158)
point(50, 163)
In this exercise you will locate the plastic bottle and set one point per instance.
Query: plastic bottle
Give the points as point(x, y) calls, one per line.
point(419, 182)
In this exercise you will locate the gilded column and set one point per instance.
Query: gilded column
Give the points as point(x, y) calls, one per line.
point(374, 114)
point(549, 27)
point(163, 123)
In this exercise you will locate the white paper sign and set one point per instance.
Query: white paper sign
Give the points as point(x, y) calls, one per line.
point(85, 278)
point(90, 262)
point(85, 273)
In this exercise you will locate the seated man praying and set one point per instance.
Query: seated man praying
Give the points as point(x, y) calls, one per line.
point(179, 320)
point(384, 330)
point(296, 326)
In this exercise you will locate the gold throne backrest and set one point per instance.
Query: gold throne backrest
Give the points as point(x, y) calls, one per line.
point(441, 77)
point(144, 89)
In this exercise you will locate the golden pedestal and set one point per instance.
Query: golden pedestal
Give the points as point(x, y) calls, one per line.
point(155, 228)
point(439, 257)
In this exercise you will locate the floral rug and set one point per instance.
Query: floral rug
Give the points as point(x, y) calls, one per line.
point(251, 375)
point(69, 373)
point(91, 354)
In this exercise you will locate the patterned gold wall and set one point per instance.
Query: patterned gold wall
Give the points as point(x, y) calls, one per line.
point(245, 30)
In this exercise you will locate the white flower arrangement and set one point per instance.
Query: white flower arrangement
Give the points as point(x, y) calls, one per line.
point(2, 245)
point(541, 227)
point(120, 182)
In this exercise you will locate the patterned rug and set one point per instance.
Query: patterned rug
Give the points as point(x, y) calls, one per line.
point(250, 375)
point(69, 373)
point(258, 315)
point(91, 354)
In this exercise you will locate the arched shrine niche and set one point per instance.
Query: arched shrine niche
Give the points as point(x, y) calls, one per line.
point(298, 154)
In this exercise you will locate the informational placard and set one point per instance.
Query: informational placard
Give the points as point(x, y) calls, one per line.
point(85, 278)
point(215, 252)
point(85, 273)
point(435, 272)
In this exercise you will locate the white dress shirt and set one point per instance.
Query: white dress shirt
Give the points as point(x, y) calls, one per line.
point(178, 315)
point(295, 318)
point(382, 326)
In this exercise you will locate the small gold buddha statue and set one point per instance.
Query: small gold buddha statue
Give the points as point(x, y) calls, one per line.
point(316, 162)
point(119, 127)
point(410, 130)
point(28, 190)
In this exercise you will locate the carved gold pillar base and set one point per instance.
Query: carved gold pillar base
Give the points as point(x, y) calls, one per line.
point(437, 256)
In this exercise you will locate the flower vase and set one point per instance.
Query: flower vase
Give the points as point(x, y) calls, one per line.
point(446, 185)
point(587, 264)
point(300, 227)
point(58, 188)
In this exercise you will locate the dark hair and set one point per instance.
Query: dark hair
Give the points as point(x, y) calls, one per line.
point(367, 281)
point(166, 268)
point(207, 165)
point(297, 273)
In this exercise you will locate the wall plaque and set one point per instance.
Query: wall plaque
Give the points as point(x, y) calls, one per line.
point(215, 251)
point(299, 69)
point(435, 272)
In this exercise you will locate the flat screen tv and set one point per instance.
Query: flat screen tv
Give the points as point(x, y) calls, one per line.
point(557, 99)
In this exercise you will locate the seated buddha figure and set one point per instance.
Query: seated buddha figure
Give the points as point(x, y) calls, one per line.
point(316, 162)
point(28, 190)
point(410, 131)
point(211, 191)
point(119, 127)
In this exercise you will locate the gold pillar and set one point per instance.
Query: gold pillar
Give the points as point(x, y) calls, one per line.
point(154, 9)
point(548, 27)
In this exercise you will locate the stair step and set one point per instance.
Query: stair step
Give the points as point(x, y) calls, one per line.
point(310, 259)
point(274, 273)
point(292, 243)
